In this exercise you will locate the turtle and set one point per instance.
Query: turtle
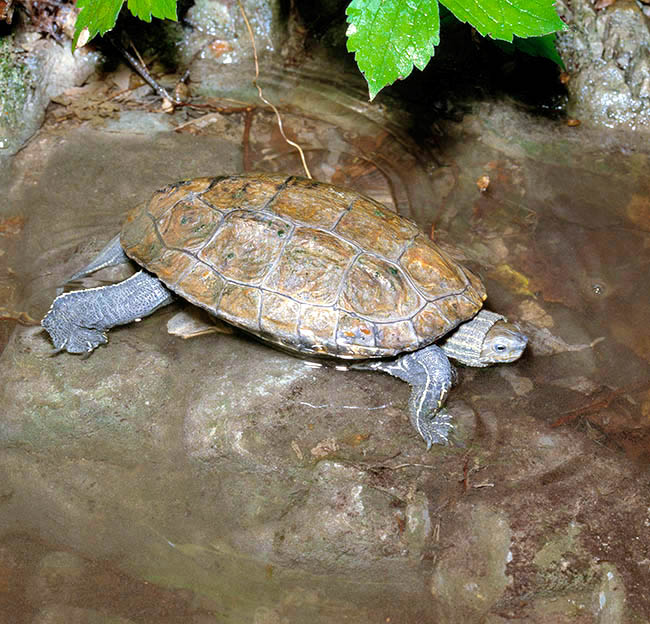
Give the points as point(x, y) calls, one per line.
point(317, 270)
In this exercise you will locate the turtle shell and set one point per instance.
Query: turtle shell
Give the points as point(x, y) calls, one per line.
point(308, 266)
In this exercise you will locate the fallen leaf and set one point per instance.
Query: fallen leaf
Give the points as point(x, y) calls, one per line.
point(514, 280)
point(12, 226)
point(325, 448)
point(483, 183)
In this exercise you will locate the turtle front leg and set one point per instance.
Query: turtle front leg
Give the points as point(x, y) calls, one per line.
point(430, 375)
point(77, 321)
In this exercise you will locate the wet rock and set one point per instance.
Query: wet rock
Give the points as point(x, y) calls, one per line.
point(55, 402)
point(57, 614)
point(579, 383)
point(607, 54)
point(611, 596)
point(56, 579)
point(343, 521)
point(219, 46)
point(221, 448)
point(562, 565)
point(32, 71)
point(638, 211)
point(470, 576)
point(418, 524)
point(598, 598)
point(520, 385)
point(465, 422)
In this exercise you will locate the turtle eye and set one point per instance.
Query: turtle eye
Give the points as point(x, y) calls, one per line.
point(500, 348)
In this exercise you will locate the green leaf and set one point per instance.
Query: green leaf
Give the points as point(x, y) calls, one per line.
point(502, 19)
point(389, 37)
point(144, 9)
point(540, 46)
point(98, 16)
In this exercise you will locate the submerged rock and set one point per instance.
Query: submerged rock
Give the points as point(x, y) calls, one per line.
point(607, 53)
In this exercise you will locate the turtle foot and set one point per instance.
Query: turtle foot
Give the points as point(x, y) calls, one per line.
point(436, 430)
point(66, 330)
point(78, 321)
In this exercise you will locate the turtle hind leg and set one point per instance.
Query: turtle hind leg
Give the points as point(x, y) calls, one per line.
point(77, 321)
point(430, 375)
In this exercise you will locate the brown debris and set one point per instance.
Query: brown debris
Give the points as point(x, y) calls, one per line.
point(11, 226)
point(595, 406)
point(325, 448)
point(483, 183)
point(19, 317)
point(94, 102)
point(603, 4)
point(219, 47)
point(54, 17)
point(6, 11)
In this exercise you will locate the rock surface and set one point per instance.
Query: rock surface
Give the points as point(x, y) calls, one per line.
point(607, 54)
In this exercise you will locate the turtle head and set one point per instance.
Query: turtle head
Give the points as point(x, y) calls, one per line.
point(486, 339)
point(503, 343)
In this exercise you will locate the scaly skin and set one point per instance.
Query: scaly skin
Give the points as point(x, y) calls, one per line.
point(430, 375)
point(78, 320)
point(484, 340)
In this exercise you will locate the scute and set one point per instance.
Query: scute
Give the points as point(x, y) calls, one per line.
point(280, 317)
point(396, 337)
point(311, 267)
point(246, 245)
point(355, 337)
point(374, 227)
point(432, 271)
point(306, 265)
point(188, 224)
point(202, 285)
point(379, 290)
point(317, 331)
point(311, 203)
point(243, 192)
point(166, 197)
point(240, 305)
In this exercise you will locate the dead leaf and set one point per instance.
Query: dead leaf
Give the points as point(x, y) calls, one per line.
point(12, 226)
point(531, 312)
point(325, 448)
point(514, 280)
point(483, 183)
point(638, 211)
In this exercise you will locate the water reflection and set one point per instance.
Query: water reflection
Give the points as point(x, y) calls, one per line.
point(217, 480)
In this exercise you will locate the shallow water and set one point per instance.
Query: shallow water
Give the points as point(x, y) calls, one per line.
point(217, 480)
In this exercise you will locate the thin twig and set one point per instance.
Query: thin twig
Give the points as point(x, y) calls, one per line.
point(261, 96)
point(21, 318)
point(144, 73)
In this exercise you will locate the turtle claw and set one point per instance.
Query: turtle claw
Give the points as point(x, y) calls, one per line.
point(436, 430)
point(53, 352)
point(79, 340)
